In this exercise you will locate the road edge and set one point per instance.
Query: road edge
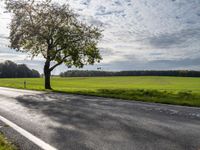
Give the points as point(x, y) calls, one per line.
point(37, 141)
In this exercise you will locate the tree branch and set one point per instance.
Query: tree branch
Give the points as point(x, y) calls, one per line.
point(57, 51)
point(59, 63)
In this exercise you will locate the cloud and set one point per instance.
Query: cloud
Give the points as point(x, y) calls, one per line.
point(180, 39)
point(143, 34)
point(134, 64)
point(187, 63)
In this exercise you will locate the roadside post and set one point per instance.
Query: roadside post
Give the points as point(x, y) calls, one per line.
point(25, 84)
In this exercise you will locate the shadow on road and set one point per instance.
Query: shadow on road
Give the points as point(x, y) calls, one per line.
point(95, 123)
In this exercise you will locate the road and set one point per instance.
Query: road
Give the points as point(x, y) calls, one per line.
point(75, 122)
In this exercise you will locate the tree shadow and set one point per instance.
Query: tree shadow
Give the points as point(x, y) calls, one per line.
point(94, 123)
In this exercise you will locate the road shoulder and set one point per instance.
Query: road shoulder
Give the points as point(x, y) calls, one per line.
point(16, 138)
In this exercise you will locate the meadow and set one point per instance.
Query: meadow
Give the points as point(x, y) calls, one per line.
point(168, 90)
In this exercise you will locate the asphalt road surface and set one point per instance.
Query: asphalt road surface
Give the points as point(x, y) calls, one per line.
point(75, 122)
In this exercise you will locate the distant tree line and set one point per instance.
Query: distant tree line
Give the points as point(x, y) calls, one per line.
point(93, 73)
point(9, 69)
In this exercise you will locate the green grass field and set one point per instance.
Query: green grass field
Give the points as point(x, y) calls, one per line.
point(170, 90)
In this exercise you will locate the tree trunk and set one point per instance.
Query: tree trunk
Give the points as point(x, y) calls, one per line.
point(47, 75)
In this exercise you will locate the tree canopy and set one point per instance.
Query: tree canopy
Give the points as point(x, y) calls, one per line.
point(54, 31)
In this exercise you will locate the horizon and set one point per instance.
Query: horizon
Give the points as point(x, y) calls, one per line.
point(138, 35)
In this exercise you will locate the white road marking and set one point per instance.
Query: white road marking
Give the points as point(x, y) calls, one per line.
point(28, 135)
point(11, 92)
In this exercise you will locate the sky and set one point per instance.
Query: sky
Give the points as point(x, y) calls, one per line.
point(138, 34)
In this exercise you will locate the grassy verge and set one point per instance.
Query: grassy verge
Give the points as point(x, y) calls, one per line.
point(168, 90)
point(5, 144)
point(185, 98)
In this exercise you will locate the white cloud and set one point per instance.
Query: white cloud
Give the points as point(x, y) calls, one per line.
point(144, 30)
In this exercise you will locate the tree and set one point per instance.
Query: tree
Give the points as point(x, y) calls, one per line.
point(9, 69)
point(53, 31)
